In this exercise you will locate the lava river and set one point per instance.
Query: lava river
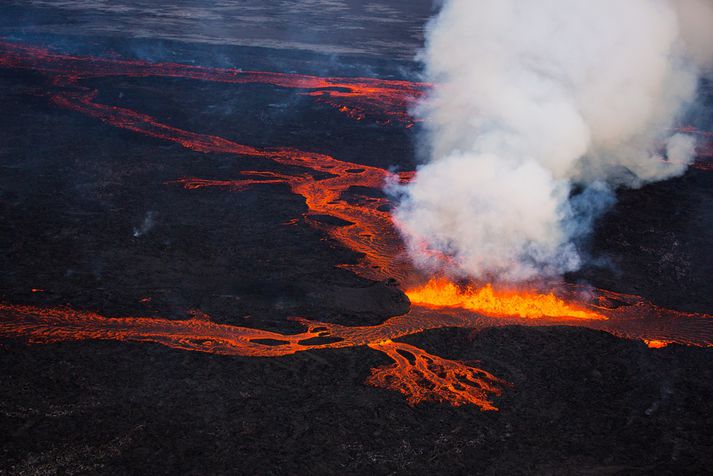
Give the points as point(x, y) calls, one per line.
point(327, 185)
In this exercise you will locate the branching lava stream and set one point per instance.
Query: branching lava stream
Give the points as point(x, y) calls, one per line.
point(420, 376)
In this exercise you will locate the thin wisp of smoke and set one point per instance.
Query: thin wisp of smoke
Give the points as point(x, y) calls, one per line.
point(532, 101)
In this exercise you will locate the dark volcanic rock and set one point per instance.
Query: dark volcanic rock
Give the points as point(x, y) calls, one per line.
point(580, 401)
point(91, 215)
point(656, 242)
point(379, 298)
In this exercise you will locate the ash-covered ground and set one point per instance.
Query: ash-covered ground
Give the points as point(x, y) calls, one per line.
point(89, 219)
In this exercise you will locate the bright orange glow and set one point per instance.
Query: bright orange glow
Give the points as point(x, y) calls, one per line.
point(449, 381)
point(485, 300)
point(656, 344)
point(415, 373)
point(334, 188)
point(386, 101)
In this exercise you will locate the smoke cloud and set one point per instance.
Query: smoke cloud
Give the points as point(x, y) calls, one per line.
point(539, 111)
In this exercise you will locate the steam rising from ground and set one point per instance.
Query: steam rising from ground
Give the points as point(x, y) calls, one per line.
point(540, 110)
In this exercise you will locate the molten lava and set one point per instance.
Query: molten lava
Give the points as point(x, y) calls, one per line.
point(385, 100)
point(485, 300)
point(451, 381)
point(417, 374)
point(422, 377)
point(656, 344)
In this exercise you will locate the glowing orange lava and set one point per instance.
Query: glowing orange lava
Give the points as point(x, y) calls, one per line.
point(329, 187)
point(386, 101)
point(450, 381)
point(415, 373)
point(656, 344)
point(371, 233)
point(485, 300)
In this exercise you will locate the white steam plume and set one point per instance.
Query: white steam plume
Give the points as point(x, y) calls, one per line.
point(540, 108)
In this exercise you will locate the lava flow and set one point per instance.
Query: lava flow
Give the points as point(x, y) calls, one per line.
point(417, 374)
point(450, 381)
point(385, 100)
point(330, 187)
